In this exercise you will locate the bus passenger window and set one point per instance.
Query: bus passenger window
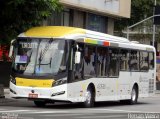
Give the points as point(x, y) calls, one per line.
point(151, 60)
point(124, 58)
point(144, 61)
point(134, 60)
point(89, 61)
point(102, 61)
point(114, 64)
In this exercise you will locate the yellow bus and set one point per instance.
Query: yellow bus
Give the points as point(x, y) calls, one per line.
point(57, 63)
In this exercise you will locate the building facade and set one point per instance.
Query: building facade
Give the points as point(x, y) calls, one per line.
point(97, 15)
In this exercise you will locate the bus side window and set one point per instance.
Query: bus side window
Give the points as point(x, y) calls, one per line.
point(144, 61)
point(124, 58)
point(89, 60)
point(134, 60)
point(102, 61)
point(114, 62)
point(151, 60)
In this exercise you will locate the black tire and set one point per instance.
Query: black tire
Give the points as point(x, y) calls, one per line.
point(40, 103)
point(134, 97)
point(90, 99)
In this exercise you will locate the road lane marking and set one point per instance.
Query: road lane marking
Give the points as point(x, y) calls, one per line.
point(2, 109)
point(31, 111)
point(97, 117)
point(7, 111)
point(127, 111)
point(62, 115)
point(46, 112)
point(24, 118)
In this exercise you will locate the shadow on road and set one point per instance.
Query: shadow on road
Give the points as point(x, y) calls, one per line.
point(58, 105)
point(80, 105)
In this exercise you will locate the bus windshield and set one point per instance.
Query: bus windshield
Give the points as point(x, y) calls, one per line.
point(40, 56)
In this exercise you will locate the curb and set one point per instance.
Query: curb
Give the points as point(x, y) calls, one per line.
point(6, 98)
point(6, 91)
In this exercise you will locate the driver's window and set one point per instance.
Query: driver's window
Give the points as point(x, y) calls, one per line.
point(64, 62)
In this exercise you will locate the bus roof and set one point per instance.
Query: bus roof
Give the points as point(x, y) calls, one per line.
point(62, 31)
point(76, 33)
point(53, 31)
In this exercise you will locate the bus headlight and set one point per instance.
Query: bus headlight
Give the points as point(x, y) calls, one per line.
point(13, 80)
point(59, 82)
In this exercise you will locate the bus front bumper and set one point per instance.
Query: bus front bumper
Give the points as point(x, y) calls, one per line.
point(54, 93)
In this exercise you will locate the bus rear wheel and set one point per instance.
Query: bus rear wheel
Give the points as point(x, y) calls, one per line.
point(134, 96)
point(90, 99)
point(40, 103)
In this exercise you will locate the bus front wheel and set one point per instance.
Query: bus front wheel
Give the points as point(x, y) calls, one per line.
point(40, 103)
point(89, 102)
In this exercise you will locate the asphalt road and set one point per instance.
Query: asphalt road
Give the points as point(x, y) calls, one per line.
point(23, 109)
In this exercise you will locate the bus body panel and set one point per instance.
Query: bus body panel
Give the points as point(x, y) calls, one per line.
point(54, 93)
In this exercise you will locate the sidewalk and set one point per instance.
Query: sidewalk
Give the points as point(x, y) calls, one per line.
point(157, 92)
point(7, 97)
point(6, 93)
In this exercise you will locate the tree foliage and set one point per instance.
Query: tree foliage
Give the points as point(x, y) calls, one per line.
point(140, 9)
point(18, 15)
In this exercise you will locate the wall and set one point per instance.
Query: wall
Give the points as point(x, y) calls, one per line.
point(116, 8)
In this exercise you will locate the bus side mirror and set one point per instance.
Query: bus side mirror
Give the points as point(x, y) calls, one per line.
point(77, 57)
point(11, 48)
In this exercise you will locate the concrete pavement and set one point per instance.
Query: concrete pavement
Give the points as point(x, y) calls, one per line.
point(22, 109)
point(6, 97)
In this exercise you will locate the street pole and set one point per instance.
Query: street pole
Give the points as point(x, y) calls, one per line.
point(129, 27)
point(154, 26)
point(127, 33)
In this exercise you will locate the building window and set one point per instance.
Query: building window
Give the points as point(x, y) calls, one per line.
point(59, 18)
point(65, 17)
point(96, 23)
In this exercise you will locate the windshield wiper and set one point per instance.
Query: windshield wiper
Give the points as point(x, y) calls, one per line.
point(43, 52)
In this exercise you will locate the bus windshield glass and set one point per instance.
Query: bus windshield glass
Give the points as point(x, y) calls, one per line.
point(40, 56)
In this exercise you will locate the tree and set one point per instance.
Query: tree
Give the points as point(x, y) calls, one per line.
point(140, 9)
point(18, 15)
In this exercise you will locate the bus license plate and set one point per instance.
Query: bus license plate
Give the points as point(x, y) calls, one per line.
point(33, 95)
